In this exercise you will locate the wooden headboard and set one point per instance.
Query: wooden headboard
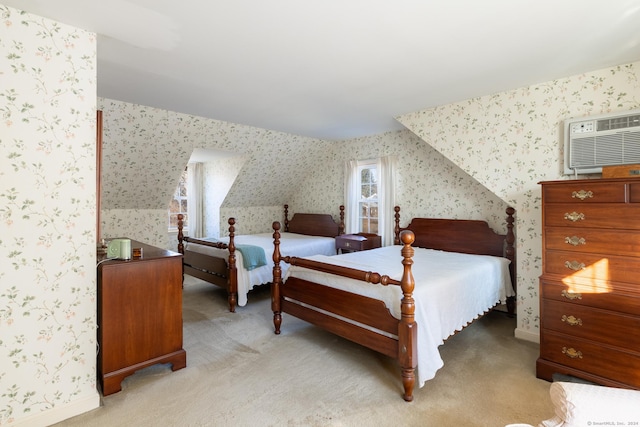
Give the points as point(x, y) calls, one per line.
point(464, 236)
point(460, 235)
point(313, 224)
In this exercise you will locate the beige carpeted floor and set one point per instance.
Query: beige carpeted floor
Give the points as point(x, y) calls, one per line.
point(240, 374)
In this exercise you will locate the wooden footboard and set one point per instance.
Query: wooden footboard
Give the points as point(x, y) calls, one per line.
point(222, 272)
point(364, 320)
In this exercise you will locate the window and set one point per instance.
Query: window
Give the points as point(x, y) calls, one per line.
point(368, 198)
point(178, 204)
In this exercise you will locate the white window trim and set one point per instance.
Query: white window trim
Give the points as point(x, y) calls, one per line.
point(367, 164)
point(386, 196)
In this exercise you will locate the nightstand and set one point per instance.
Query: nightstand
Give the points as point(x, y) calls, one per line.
point(357, 242)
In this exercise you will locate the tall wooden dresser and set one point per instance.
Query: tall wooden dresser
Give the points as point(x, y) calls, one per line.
point(590, 283)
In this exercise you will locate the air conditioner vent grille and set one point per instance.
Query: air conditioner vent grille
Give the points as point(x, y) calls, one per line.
point(618, 122)
point(605, 150)
point(605, 140)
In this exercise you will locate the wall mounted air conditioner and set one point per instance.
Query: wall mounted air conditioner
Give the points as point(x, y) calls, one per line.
point(604, 140)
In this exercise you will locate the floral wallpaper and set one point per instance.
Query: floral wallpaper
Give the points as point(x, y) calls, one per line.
point(273, 169)
point(48, 212)
point(137, 224)
point(427, 184)
point(145, 149)
point(139, 176)
point(255, 219)
point(512, 140)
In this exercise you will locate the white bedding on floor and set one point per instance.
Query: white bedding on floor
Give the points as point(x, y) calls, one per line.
point(452, 289)
point(291, 244)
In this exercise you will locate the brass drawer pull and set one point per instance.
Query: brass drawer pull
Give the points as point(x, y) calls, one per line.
point(575, 240)
point(582, 194)
point(574, 216)
point(572, 353)
point(572, 320)
point(571, 295)
point(574, 265)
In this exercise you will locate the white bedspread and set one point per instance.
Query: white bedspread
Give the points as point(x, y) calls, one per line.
point(291, 244)
point(452, 289)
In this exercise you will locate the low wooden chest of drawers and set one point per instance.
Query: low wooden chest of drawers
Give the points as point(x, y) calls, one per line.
point(590, 284)
point(357, 242)
point(139, 315)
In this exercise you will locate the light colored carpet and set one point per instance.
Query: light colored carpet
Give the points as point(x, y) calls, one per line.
point(239, 373)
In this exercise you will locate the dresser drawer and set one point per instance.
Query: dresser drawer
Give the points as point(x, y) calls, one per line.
point(592, 266)
point(609, 297)
point(603, 241)
point(588, 356)
point(584, 192)
point(634, 192)
point(605, 215)
point(604, 326)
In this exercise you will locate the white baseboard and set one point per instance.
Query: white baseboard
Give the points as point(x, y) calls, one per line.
point(527, 335)
point(60, 413)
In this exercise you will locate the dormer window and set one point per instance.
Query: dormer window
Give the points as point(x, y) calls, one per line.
point(368, 197)
point(178, 204)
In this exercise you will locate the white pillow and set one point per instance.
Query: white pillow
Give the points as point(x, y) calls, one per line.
point(583, 405)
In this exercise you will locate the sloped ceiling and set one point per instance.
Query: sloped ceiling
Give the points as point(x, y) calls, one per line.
point(339, 69)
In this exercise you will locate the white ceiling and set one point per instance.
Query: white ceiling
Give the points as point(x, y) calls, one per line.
point(339, 69)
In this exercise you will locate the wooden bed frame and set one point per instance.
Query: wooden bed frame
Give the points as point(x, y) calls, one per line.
point(223, 272)
point(344, 313)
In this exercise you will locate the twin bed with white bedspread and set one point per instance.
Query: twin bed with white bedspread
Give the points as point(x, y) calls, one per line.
point(402, 301)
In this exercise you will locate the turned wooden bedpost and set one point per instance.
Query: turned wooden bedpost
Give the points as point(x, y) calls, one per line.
point(510, 254)
point(286, 217)
point(233, 271)
point(277, 279)
point(180, 234)
point(407, 329)
point(341, 226)
point(396, 228)
point(181, 242)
